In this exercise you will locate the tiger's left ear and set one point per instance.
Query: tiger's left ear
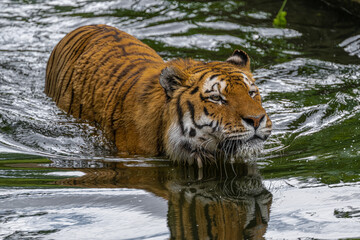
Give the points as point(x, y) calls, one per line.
point(171, 78)
point(240, 59)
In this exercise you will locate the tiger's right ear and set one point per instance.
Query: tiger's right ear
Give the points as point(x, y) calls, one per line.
point(240, 59)
point(171, 78)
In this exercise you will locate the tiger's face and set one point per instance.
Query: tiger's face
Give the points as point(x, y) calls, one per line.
point(216, 112)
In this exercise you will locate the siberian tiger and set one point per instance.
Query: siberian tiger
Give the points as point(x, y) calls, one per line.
point(191, 111)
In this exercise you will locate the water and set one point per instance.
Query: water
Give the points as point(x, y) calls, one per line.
point(306, 185)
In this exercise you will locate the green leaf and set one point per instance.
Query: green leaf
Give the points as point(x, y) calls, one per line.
point(280, 20)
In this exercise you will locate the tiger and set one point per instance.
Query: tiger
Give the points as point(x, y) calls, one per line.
point(187, 110)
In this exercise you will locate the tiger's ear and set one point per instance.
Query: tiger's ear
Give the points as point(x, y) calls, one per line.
point(171, 78)
point(240, 59)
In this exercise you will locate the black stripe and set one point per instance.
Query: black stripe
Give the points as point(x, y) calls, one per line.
point(140, 44)
point(68, 83)
point(202, 98)
point(193, 209)
point(210, 224)
point(139, 75)
point(195, 72)
point(215, 127)
point(140, 54)
point(242, 83)
point(80, 110)
point(159, 142)
point(202, 75)
point(105, 57)
point(180, 114)
point(118, 66)
point(146, 94)
point(192, 113)
point(150, 87)
point(65, 59)
point(119, 79)
point(71, 101)
point(198, 69)
point(114, 68)
point(107, 34)
point(212, 88)
point(214, 76)
point(195, 90)
point(206, 111)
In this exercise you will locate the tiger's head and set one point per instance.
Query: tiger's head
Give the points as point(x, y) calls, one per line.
point(214, 111)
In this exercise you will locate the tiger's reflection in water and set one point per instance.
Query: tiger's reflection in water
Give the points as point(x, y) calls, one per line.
point(227, 202)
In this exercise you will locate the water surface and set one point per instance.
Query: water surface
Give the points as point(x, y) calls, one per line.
point(306, 185)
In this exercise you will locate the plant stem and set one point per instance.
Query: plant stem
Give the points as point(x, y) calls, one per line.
point(282, 6)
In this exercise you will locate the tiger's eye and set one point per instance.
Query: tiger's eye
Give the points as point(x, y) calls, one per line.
point(215, 98)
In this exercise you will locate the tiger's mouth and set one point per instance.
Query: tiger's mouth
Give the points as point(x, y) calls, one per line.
point(244, 137)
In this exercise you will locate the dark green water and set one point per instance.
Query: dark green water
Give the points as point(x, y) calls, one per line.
point(305, 186)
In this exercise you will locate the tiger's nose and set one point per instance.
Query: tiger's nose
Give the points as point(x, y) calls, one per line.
point(254, 121)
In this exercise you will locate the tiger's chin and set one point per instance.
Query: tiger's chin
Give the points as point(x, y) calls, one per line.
point(249, 150)
point(230, 151)
point(240, 151)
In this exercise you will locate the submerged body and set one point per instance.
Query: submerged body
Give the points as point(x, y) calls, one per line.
point(188, 110)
